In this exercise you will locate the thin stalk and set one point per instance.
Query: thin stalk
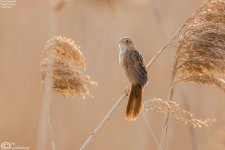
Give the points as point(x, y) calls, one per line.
point(168, 44)
point(53, 33)
point(50, 125)
point(46, 91)
point(193, 138)
point(166, 120)
point(47, 102)
point(151, 131)
point(105, 119)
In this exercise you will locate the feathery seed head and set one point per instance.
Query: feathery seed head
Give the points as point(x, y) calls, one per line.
point(67, 64)
point(182, 116)
point(200, 54)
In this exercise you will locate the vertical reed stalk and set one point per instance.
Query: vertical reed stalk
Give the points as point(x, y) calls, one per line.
point(48, 99)
point(166, 120)
point(46, 92)
point(151, 131)
point(191, 130)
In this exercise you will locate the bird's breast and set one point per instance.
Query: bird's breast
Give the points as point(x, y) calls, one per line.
point(121, 59)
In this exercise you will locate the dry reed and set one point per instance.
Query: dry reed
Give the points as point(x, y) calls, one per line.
point(182, 116)
point(68, 67)
point(200, 54)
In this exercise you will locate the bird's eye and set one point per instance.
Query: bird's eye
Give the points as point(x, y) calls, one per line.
point(127, 41)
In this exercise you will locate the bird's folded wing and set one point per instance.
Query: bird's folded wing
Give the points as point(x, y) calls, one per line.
point(135, 69)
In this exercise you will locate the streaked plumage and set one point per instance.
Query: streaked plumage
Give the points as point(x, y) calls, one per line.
point(132, 63)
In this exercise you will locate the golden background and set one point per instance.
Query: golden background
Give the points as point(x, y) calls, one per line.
point(96, 26)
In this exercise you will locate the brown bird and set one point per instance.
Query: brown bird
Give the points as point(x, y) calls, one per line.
point(132, 64)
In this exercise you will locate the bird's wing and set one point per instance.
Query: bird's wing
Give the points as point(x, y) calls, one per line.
point(135, 68)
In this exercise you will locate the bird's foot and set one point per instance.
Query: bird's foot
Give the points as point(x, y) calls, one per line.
point(127, 90)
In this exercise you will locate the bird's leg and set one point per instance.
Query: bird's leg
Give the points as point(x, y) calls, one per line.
point(127, 90)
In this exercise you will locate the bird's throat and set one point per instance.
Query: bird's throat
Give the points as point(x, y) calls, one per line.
point(123, 48)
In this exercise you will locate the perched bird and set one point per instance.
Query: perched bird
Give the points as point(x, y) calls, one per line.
point(132, 64)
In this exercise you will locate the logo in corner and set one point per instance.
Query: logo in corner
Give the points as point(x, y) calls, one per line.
point(6, 145)
point(13, 146)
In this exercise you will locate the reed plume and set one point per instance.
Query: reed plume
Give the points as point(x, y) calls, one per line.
point(181, 115)
point(200, 55)
point(68, 67)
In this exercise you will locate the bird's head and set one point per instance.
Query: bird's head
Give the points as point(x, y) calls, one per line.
point(125, 44)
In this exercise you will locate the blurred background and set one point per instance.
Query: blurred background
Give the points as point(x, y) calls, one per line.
point(96, 26)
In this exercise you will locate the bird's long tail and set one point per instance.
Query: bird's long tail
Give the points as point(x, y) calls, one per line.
point(135, 103)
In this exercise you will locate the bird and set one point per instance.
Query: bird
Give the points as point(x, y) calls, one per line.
point(133, 66)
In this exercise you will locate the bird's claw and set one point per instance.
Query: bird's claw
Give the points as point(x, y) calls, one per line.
point(127, 90)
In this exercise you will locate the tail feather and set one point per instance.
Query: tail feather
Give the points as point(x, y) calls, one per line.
point(135, 103)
